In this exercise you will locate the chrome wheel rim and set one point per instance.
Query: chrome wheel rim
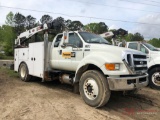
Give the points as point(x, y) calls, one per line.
point(156, 78)
point(23, 71)
point(90, 88)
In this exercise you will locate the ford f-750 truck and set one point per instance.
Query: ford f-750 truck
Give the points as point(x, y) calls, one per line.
point(82, 59)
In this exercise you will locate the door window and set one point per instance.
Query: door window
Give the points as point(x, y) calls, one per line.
point(143, 49)
point(75, 40)
point(58, 40)
point(133, 46)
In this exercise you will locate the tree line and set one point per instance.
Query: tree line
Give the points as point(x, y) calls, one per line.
point(17, 23)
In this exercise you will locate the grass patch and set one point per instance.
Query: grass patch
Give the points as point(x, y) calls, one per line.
point(3, 57)
point(9, 72)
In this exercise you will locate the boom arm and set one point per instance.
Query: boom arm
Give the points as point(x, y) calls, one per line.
point(114, 34)
point(55, 25)
point(25, 35)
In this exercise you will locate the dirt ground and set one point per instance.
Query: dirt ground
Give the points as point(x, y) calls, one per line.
point(51, 101)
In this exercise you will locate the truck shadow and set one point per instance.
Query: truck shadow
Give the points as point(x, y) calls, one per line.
point(126, 105)
point(53, 84)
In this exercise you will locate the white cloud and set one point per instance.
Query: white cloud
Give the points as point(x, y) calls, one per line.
point(113, 27)
point(72, 7)
point(149, 31)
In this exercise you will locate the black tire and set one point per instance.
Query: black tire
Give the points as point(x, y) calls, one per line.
point(24, 73)
point(101, 82)
point(155, 81)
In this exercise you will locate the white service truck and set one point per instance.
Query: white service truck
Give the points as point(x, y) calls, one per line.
point(153, 55)
point(82, 59)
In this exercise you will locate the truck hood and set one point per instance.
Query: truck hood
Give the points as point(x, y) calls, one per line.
point(154, 54)
point(115, 51)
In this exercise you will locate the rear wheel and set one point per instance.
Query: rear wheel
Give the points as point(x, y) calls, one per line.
point(94, 88)
point(24, 73)
point(154, 78)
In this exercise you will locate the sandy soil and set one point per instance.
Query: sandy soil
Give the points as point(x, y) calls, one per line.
point(51, 101)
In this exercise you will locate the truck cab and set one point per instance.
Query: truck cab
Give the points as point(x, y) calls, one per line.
point(153, 56)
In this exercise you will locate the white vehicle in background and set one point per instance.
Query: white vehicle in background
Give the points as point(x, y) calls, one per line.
point(153, 55)
point(158, 49)
point(82, 59)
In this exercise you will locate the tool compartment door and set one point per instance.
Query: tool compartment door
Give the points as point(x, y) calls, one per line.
point(36, 59)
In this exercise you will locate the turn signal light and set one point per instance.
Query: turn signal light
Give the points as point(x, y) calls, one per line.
point(112, 66)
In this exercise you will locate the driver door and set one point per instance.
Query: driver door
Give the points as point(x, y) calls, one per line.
point(69, 55)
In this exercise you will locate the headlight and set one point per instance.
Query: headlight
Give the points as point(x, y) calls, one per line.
point(112, 66)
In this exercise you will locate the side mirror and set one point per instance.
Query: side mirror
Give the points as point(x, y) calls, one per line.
point(65, 37)
point(147, 52)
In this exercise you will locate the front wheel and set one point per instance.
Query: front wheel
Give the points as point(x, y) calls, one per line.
point(24, 73)
point(94, 88)
point(154, 78)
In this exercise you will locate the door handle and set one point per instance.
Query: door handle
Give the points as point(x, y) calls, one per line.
point(60, 52)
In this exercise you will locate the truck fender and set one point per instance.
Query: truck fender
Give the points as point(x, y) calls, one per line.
point(154, 63)
point(156, 60)
point(92, 60)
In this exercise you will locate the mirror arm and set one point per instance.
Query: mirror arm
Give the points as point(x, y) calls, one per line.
point(63, 45)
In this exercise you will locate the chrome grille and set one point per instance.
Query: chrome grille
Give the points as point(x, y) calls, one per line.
point(138, 63)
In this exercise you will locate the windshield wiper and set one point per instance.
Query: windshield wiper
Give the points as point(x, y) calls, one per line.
point(100, 42)
point(94, 42)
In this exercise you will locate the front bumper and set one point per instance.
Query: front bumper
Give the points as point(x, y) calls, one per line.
point(127, 82)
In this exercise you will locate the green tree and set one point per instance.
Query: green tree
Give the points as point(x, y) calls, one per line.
point(59, 24)
point(75, 25)
point(30, 22)
point(137, 37)
point(155, 42)
point(97, 28)
point(10, 19)
point(1, 39)
point(37, 23)
point(119, 34)
point(91, 27)
point(19, 23)
point(60, 19)
point(129, 37)
point(46, 19)
point(8, 36)
point(102, 27)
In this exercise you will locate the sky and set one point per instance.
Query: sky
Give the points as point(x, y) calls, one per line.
point(110, 10)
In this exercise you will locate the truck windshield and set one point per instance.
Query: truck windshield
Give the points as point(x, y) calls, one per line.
point(93, 38)
point(149, 46)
